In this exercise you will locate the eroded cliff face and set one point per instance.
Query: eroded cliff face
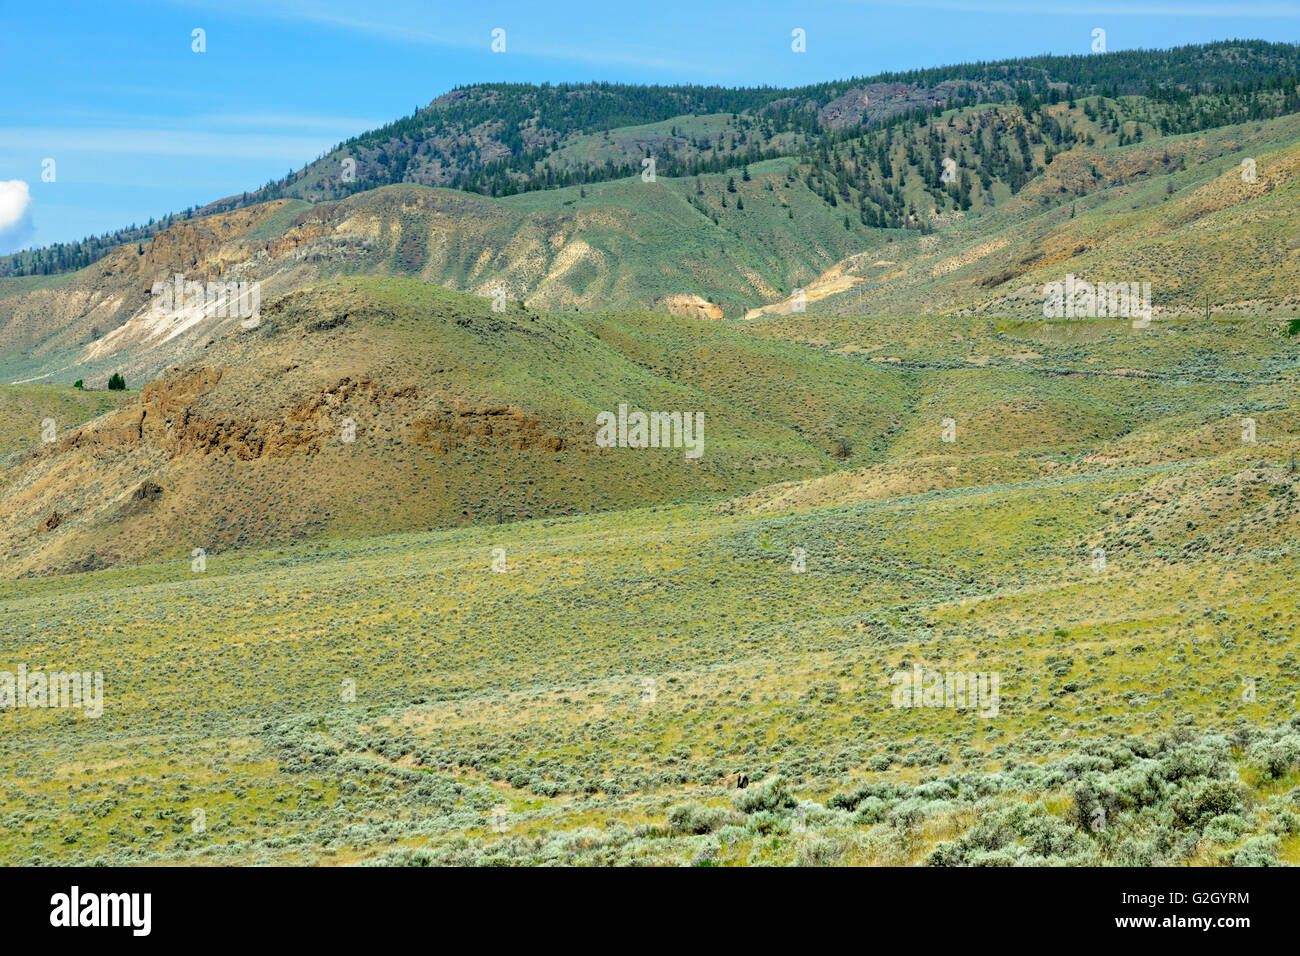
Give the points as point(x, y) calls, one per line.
point(459, 425)
point(193, 247)
point(203, 459)
point(172, 416)
point(691, 306)
point(102, 318)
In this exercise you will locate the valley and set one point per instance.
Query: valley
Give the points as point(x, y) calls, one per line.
point(500, 715)
point(426, 556)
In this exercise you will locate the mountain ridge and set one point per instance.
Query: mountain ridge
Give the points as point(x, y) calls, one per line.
point(1242, 65)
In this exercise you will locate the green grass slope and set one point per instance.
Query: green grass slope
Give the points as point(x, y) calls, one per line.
point(459, 414)
point(592, 689)
point(595, 701)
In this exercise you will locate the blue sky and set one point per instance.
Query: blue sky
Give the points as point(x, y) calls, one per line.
point(139, 125)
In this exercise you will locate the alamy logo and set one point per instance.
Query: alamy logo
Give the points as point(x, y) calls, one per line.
point(103, 909)
point(651, 430)
point(58, 689)
point(958, 689)
point(222, 300)
point(1075, 299)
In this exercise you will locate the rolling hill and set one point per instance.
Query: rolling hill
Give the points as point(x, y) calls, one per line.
point(448, 399)
point(598, 689)
point(964, 191)
point(365, 585)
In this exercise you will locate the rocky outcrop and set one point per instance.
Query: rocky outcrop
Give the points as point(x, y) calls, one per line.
point(504, 425)
point(693, 306)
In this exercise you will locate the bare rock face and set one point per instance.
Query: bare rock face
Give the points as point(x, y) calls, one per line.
point(462, 426)
point(692, 306)
point(148, 491)
point(878, 101)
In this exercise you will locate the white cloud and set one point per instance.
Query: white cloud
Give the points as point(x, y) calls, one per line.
point(15, 214)
point(15, 198)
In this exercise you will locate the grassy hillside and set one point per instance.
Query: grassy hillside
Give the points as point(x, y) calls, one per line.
point(970, 210)
point(503, 138)
point(24, 410)
point(459, 414)
point(507, 716)
point(602, 697)
point(466, 415)
point(364, 587)
point(629, 243)
point(1167, 210)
